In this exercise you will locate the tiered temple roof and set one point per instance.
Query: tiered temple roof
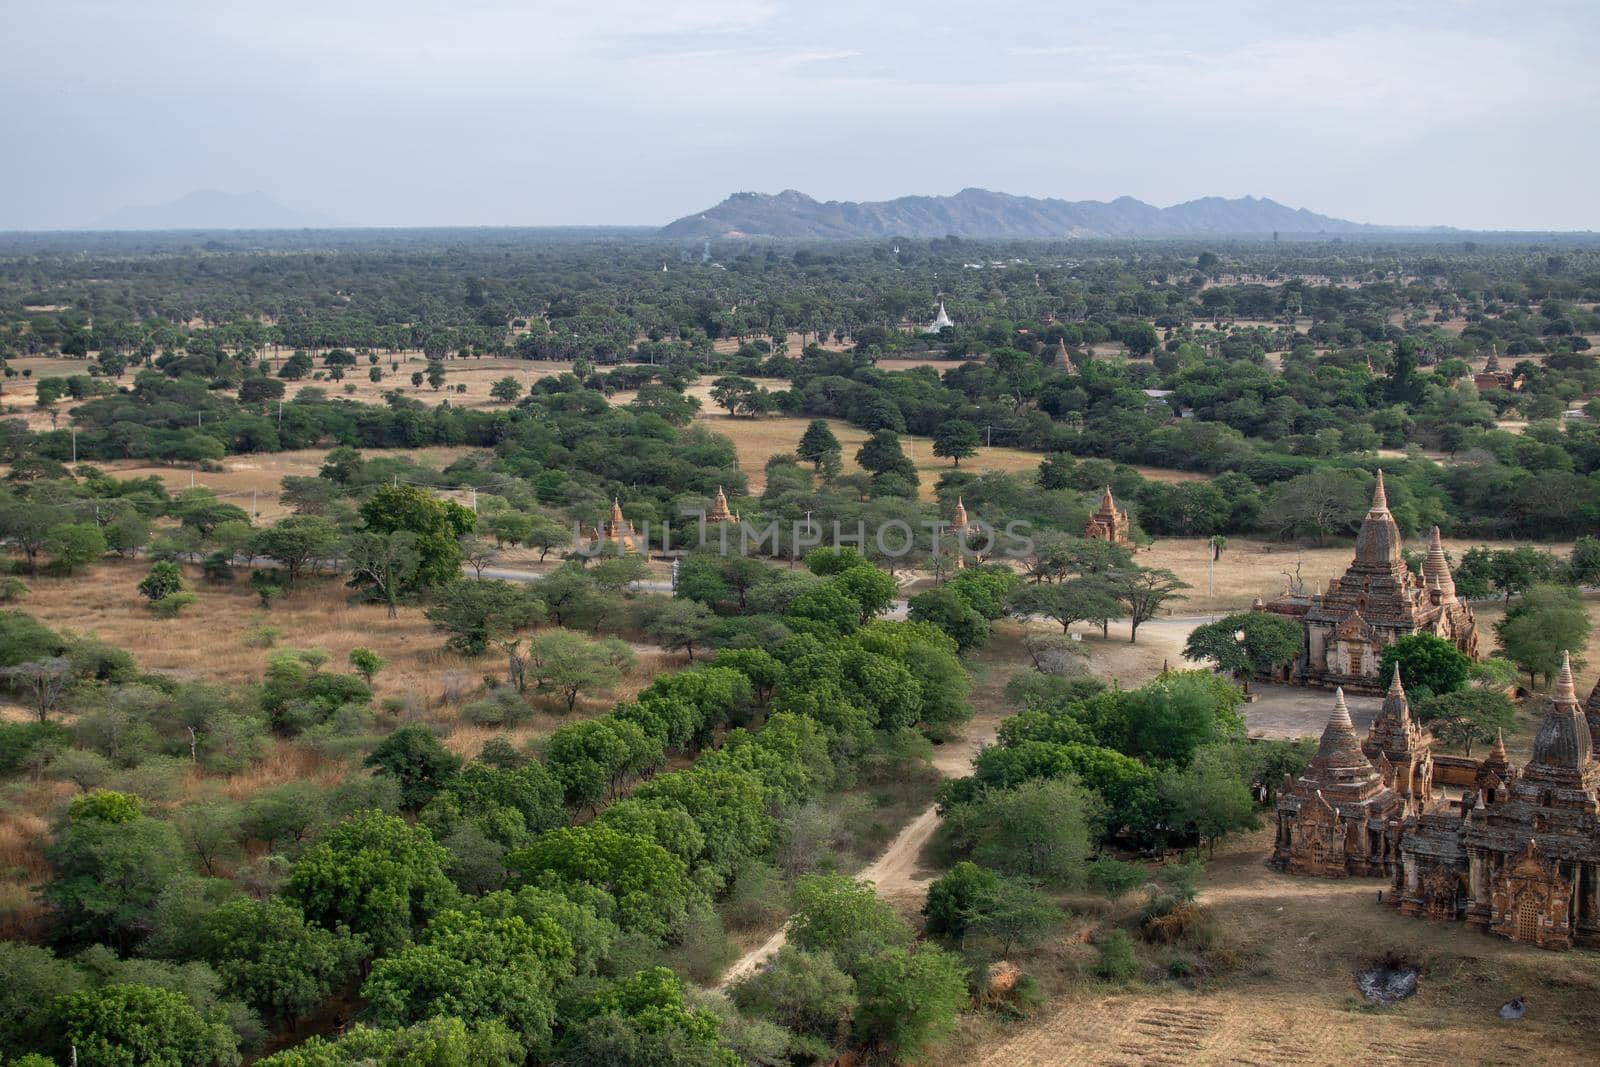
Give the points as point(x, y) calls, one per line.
point(1109, 522)
point(1332, 818)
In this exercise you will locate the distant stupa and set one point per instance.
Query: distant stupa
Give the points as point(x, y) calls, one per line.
point(940, 321)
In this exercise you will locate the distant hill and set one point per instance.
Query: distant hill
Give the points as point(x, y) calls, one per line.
point(211, 209)
point(981, 213)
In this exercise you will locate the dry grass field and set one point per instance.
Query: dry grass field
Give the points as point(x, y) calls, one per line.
point(1278, 988)
point(207, 642)
point(476, 374)
point(259, 476)
point(1253, 567)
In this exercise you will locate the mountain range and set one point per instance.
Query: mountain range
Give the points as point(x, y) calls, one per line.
point(212, 209)
point(981, 213)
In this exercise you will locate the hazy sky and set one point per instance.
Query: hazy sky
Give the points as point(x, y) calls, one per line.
point(512, 112)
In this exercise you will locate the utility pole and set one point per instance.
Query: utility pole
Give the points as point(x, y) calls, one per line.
point(988, 436)
point(474, 500)
point(74, 445)
point(254, 514)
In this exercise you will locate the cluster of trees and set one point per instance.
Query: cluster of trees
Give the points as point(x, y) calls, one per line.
point(1081, 767)
point(516, 905)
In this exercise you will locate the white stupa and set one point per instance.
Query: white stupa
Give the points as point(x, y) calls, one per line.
point(940, 321)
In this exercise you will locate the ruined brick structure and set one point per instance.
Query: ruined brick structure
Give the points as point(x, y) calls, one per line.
point(616, 534)
point(1375, 602)
point(1520, 856)
point(1336, 819)
point(1517, 855)
point(1109, 522)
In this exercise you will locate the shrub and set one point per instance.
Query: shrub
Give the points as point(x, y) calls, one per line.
point(1114, 958)
point(262, 637)
point(164, 580)
point(170, 605)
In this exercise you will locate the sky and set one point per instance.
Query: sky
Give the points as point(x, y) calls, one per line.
point(1474, 114)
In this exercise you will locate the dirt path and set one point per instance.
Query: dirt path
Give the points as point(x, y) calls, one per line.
point(898, 874)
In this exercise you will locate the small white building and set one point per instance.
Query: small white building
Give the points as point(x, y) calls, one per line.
point(940, 321)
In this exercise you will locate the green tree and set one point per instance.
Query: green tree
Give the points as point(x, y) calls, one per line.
point(679, 625)
point(376, 876)
point(643, 1021)
point(126, 1025)
point(438, 526)
point(838, 914)
point(1144, 591)
point(649, 885)
point(909, 1001)
point(946, 609)
point(805, 993)
point(818, 444)
point(384, 563)
point(955, 899)
point(297, 542)
point(164, 580)
point(268, 956)
point(1091, 599)
point(415, 759)
point(565, 664)
point(477, 968)
point(109, 866)
point(1014, 913)
point(71, 545)
point(741, 396)
point(881, 454)
point(437, 1042)
point(1040, 829)
point(1245, 644)
point(366, 663)
point(1115, 961)
point(1429, 665)
point(1211, 799)
point(1548, 621)
point(1466, 717)
point(955, 440)
point(506, 390)
point(478, 614)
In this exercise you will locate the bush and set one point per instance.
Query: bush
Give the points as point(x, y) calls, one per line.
point(170, 605)
point(503, 707)
point(1114, 958)
point(164, 580)
point(262, 637)
point(12, 589)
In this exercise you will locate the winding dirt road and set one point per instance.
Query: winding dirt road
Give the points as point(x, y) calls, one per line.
point(897, 874)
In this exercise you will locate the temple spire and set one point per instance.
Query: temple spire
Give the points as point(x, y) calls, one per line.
point(1380, 498)
point(1436, 569)
point(1566, 692)
point(1395, 688)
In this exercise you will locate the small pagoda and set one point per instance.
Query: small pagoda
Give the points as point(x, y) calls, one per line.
point(616, 534)
point(719, 509)
point(1109, 523)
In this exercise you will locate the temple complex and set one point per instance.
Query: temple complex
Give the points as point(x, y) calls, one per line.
point(616, 534)
point(1376, 601)
point(1520, 855)
point(1336, 819)
point(1109, 522)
